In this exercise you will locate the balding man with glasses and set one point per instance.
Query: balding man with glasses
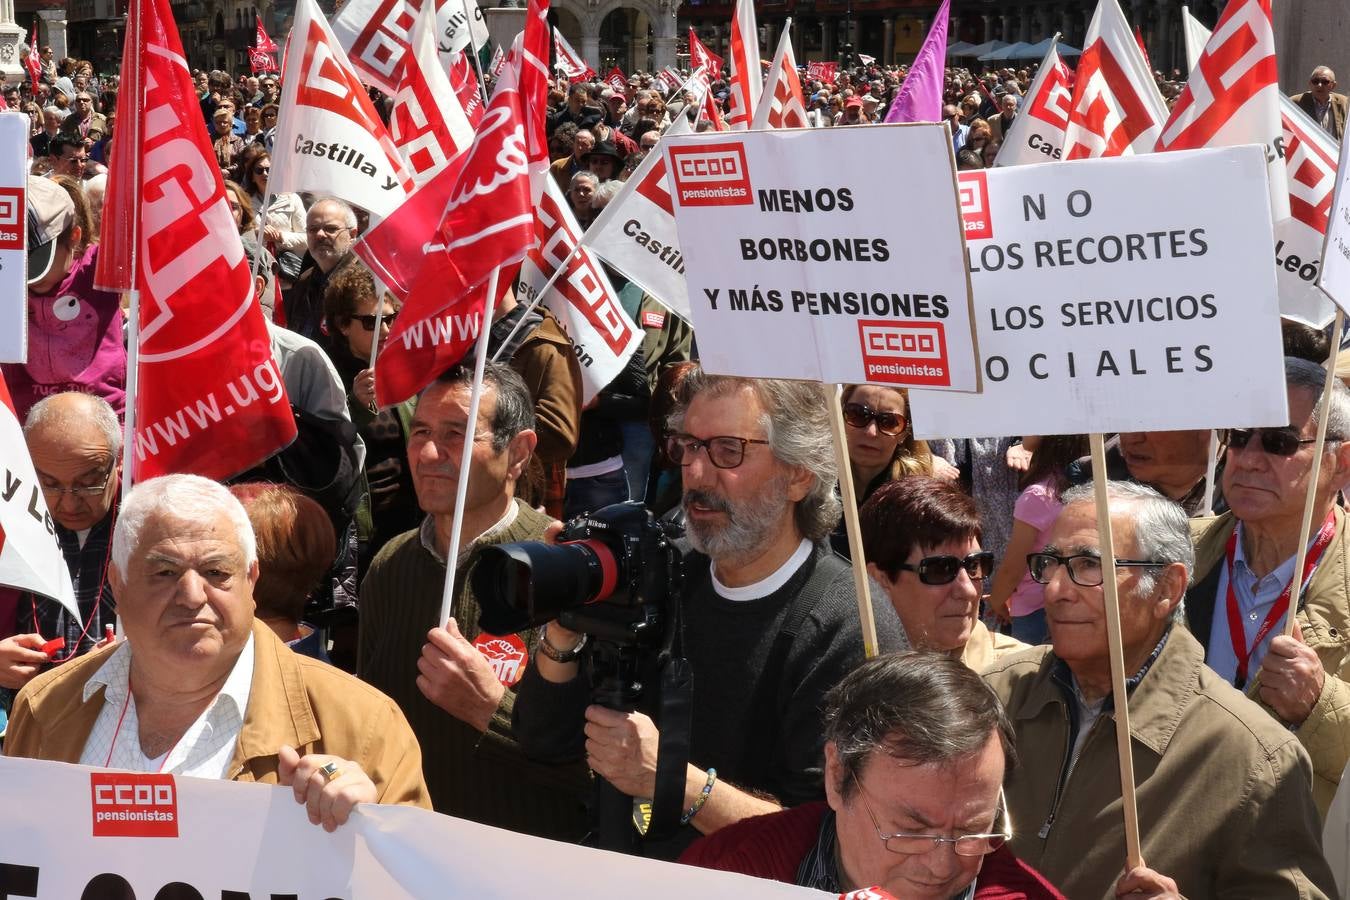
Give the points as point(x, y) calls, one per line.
point(1244, 574)
point(1224, 793)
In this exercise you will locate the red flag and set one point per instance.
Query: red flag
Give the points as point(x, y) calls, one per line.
point(783, 105)
point(1139, 39)
point(464, 81)
point(210, 398)
point(261, 40)
point(488, 222)
point(747, 77)
point(701, 57)
point(825, 71)
point(34, 58)
point(261, 61)
point(617, 80)
point(427, 123)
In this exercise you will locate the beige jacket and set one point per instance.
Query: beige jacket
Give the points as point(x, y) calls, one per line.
point(987, 647)
point(294, 700)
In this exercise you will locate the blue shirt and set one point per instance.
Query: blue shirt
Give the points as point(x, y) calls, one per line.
point(1255, 598)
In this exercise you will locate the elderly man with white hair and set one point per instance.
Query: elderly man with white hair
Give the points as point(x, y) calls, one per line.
point(200, 688)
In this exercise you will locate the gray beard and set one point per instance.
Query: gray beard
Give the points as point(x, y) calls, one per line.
point(748, 524)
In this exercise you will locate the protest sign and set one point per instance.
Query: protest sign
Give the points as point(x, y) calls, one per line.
point(801, 268)
point(13, 237)
point(1334, 279)
point(74, 831)
point(1104, 288)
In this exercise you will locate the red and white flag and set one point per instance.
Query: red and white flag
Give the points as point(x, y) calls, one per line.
point(209, 398)
point(34, 57)
point(570, 61)
point(330, 141)
point(1037, 133)
point(670, 79)
point(30, 557)
point(498, 60)
point(1116, 109)
point(582, 298)
point(617, 80)
point(261, 40)
point(700, 57)
point(1233, 95)
point(261, 56)
point(464, 82)
point(825, 71)
point(783, 105)
point(747, 75)
point(377, 34)
point(486, 224)
point(427, 123)
point(635, 233)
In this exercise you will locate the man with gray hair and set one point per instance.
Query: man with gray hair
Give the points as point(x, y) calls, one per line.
point(1326, 107)
point(1245, 570)
point(330, 229)
point(201, 688)
point(1223, 792)
point(769, 615)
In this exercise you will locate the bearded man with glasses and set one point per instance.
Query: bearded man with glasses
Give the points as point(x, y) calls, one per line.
point(1224, 793)
point(1245, 575)
point(769, 616)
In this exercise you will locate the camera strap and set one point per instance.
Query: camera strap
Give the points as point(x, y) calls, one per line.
point(672, 752)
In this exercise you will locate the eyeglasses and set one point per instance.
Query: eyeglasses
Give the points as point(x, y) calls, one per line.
point(964, 845)
point(860, 415)
point(944, 569)
point(327, 230)
point(82, 490)
point(724, 451)
point(1085, 569)
point(368, 322)
point(263, 170)
point(1275, 441)
point(1321, 82)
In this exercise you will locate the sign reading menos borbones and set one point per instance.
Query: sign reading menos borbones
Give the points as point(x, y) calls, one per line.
point(1127, 294)
point(800, 265)
point(13, 237)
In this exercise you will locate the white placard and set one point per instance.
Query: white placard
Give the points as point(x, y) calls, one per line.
point(13, 237)
point(65, 826)
point(802, 265)
point(1126, 294)
point(1334, 279)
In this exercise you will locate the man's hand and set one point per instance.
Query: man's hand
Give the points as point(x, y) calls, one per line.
point(328, 799)
point(945, 470)
point(1018, 458)
point(621, 748)
point(1291, 677)
point(1142, 883)
point(457, 678)
point(21, 657)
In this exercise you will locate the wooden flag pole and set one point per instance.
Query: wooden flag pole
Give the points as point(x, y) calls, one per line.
point(1211, 471)
point(470, 429)
point(1120, 697)
point(1310, 501)
point(855, 544)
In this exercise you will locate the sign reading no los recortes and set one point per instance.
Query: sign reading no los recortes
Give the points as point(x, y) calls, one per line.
point(1125, 294)
point(801, 268)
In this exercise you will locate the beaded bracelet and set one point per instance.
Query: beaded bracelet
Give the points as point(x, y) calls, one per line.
point(701, 799)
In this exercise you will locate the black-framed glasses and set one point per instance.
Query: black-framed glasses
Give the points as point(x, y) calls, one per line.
point(724, 451)
point(1085, 569)
point(1275, 441)
point(860, 415)
point(964, 845)
point(80, 490)
point(368, 322)
point(1320, 82)
point(944, 569)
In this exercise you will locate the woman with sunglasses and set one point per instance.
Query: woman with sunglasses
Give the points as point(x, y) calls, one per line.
point(284, 225)
point(921, 537)
point(349, 319)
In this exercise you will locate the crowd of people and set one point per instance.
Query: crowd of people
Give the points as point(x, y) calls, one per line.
point(975, 756)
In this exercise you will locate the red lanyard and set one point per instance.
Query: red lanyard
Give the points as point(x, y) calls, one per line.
point(118, 731)
point(1235, 630)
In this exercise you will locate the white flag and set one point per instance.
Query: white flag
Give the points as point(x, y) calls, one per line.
point(329, 140)
point(427, 123)
point(569, 60)
point(747, 77)
point(636, 232)
point(582, 298)
point(377, 34)
point(1037, 132)
point(782, 105)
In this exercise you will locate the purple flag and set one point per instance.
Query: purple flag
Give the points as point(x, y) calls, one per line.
point(920, 97)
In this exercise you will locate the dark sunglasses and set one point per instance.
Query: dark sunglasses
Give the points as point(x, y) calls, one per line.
point(1275, 441)
point(1321, 82)
point(944, 569)
point(860, 415)
point(368, 322)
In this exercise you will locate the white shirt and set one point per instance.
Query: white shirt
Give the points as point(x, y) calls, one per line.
point(765, 586)
point(204, 750)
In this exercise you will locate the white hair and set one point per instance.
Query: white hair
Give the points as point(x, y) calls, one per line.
point(343, 207)
point(70, 409)
point(184, 498)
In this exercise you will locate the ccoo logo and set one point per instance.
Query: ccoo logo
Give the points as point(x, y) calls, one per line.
point(711, 175)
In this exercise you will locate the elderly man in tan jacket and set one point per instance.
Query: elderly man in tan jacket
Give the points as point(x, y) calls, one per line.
point(199, 688)
point(1223, 791)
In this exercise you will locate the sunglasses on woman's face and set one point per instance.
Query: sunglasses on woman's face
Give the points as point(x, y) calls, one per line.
point(368, 322)
point(860, 415)
point(938, 570)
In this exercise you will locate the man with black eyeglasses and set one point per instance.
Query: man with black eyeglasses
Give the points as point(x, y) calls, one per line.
point(1245, 570)
point(769, 616)
point(1223, 792)
point(330, 229)
point(1320, 101)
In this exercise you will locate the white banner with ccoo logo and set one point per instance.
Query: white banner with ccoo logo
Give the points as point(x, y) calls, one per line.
point(75, 832)
point(800, 267)
point(13, 237)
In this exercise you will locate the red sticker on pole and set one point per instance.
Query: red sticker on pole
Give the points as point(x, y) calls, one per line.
point(507, 656)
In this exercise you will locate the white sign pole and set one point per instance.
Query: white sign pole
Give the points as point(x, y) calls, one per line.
point(1310, 501)
point(1119, 695)
point(1211, 471)
point(851, 525)
point(470, 430)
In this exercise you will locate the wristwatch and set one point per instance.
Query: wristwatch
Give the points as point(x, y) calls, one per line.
point(560, 656)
